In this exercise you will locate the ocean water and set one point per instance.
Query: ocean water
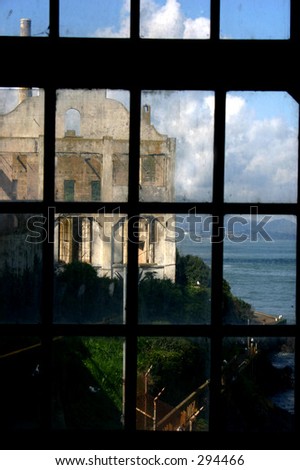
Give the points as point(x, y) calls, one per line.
point(261, 273)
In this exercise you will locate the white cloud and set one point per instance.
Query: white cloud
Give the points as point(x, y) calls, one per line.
point(196, 29)
point(159, 21)
point(124, 29)
point(234, 105)
point(168, 21)
point(261, 159)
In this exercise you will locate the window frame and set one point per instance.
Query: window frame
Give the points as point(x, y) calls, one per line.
point(228, 70)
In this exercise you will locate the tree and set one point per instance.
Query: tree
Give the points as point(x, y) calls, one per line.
point(192, 270)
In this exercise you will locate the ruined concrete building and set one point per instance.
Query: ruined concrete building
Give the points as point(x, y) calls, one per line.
point(91, 164)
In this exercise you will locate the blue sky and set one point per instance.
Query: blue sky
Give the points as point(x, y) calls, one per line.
point(255, 19)
point(11, 11)
point(103, 18)
point(260, 19)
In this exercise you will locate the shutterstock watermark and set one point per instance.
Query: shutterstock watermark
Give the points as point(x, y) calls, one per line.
point(236, 228)
point(110, 227)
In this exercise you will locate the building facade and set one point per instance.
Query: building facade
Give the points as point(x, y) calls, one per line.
point(91, 165)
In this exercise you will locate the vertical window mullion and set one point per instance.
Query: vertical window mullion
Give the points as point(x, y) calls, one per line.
point(294, 20)
point(48, 256)
point(132, 264)
point(54, 19)
point(215, 19)
point(135, 19)
point(217, 259)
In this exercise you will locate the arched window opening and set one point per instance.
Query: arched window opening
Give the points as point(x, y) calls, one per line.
point(72, 123)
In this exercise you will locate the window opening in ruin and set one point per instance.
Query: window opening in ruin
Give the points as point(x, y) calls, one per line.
point(69, 190)
point(95, 190)
point(72, 123)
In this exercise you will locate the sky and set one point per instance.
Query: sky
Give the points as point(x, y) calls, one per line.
point(187, 19)
point(261, 147)
point(261, 128)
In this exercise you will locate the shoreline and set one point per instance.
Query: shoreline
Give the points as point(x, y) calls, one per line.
point(261, 318)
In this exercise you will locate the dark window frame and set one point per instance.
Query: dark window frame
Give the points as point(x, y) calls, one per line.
point(227, 67)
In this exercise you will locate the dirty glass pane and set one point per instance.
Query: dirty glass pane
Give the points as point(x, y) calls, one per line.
point(174, 257)
point(21, 237)
point(258, 376)
point(255, 19)
point(88, 378)
point(92, 18)
point(173, 377)
point(21, 144)
point(20, 389)
point(176, 153)
point(90, 252)
point(175, 19)
point(24, 18)
point(261, 148)
point(92, 145)
point(259, 269)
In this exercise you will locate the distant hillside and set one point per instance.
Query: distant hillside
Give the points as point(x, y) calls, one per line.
point(282, 228)
point(276, 228)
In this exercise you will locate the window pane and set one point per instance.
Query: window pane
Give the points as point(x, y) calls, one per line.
point(261, 150)
point(174, 264)
point(176, 153)
point(20, 389)
point(258, 377)
point(173, 384)
point(24, 18)
point(87, 383)
point(90, 252)
point(175, 19)
point(255, 19)
point(92, 145)
point(21, 237)
point(260, 269)
point(92, 18)
point(21, 143)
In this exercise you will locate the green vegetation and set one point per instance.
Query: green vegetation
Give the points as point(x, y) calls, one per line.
point(88, 382)
point(88, 376)
point(81, 296)
point(235, 310)
point(188, 300)
point(179, 364)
